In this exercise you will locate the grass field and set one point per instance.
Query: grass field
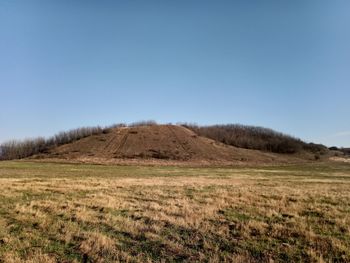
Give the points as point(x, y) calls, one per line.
point(94, 213)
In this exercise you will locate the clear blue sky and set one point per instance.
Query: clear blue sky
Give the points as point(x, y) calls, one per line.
point(279, 64)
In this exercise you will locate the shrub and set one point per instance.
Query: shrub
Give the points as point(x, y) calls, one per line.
point(333, 148)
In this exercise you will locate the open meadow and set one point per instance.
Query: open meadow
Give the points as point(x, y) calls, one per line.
point(51, 212)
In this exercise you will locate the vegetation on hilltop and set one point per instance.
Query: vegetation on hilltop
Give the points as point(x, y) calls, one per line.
point(257, 138)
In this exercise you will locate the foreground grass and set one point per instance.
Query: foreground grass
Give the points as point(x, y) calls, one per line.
point(93, 213)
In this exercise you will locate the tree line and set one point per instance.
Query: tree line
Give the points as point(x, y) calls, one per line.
point(17, 149)
point(253, 137)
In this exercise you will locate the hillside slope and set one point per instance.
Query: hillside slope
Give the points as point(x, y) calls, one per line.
point(158, 142)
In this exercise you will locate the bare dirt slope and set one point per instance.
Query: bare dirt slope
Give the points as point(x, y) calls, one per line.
point(158, 142)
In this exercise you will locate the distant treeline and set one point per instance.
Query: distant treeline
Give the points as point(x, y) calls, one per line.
point(257, 138)
point(17, 149)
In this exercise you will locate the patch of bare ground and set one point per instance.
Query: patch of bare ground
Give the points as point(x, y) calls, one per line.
point(94, 213)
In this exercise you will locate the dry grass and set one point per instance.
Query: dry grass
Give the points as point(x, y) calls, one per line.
point(91, 213)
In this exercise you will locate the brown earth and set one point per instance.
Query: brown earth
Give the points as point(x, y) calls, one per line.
point(156, 144)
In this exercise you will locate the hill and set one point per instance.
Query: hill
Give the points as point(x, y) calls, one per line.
point(159, 143)
point(148, 142)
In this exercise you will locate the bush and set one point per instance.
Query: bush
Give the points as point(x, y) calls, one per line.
point(333, 148)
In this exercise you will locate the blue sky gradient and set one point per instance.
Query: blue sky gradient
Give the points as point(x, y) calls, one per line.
point(278, 64)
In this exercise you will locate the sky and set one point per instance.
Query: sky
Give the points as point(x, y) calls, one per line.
point(284, 65)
